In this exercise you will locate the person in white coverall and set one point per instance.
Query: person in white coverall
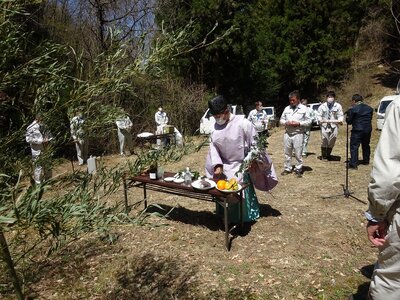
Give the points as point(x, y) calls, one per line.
point(259, 118)
point(295, 118)
point(161, 119)
point(383, 214)
point(124, 125)
point(79, 137)
point(330, 116)
point(37, 136)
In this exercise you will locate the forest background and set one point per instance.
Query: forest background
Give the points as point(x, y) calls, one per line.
point(113, 57)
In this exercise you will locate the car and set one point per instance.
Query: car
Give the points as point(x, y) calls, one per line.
point(270, 111)
point(314, 107)
point(207, 121)
point(381, 109)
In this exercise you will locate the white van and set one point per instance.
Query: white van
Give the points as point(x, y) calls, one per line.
point(314, 106)
point(207, 121)
point(270, 111)
point(380, 111)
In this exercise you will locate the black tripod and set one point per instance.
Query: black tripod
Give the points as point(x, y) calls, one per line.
point(346, 192)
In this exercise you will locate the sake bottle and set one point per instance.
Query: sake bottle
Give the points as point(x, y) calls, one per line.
point(153, 171)
point(187, 177)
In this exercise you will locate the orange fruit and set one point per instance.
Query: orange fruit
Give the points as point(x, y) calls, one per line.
point(221, 184)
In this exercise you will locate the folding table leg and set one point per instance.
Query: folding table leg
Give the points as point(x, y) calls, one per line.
point(226, 224)
point(241, 209)
point(145, 195)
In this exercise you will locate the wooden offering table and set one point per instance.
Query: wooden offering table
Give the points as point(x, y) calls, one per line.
point(180, 189)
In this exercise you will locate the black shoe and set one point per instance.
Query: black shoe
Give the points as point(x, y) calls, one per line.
point(366, 163)
point(353, 167)
point(285, 172)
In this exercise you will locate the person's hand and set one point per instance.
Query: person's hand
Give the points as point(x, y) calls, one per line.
point(292, 123)
point(376, 232)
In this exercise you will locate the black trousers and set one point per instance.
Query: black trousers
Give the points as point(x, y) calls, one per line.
point(357, 138)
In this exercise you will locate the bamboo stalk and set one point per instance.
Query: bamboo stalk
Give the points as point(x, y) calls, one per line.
point(5, 253)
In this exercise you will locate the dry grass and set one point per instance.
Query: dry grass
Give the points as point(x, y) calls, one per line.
point(302, 247)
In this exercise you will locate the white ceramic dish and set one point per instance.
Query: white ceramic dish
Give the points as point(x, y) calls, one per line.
point(230, 191)
point(169, 179)
point(178, 180)
point(196, 184)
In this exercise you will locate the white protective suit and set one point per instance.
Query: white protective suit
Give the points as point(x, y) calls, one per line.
point(384, 204)
point(37, 137)
point(124, 125)
point(259, 119)
point(80, 139)
point(293, 137)
point(161, 119)
point(329, 130)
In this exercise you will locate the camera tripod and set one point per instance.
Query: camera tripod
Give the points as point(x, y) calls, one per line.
point(346, 192)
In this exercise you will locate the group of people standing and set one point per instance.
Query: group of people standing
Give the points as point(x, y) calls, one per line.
point(233, 136)
point(38, 136)
point(297, 119)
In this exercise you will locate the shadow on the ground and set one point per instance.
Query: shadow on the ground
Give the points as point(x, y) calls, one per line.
point(209, 219)
point(335, 158)
point(194, 217)
point(267, 211)
point(162, 277)
point(307, 169)
point(311, 154)
point(362, 290)
point(154, 277)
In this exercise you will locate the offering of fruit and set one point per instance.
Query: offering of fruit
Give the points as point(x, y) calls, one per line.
point(232, 185)
point(221, 184)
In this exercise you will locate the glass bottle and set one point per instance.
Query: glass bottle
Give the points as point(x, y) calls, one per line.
point(187, 177)
point(153, 171)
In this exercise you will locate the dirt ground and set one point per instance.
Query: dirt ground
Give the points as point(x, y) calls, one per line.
point(303, 246)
